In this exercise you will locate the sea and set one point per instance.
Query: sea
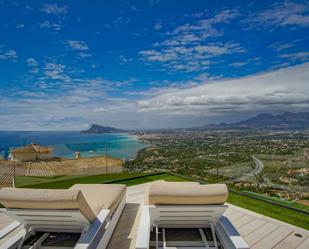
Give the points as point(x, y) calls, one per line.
point(66, 143)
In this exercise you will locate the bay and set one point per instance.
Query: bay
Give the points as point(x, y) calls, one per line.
point(66, 143)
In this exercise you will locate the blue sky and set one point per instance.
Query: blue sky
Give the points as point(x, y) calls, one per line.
point(150, 64)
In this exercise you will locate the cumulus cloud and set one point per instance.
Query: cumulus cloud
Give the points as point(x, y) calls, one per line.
point(51, 25)
point(32, 62)
point(80, 46)
point(283, 14)
point(55, 9)
point(55, 71)
point(237, 64)
point(77, 45)
point(186, 47)
point(87, 101)
point(99, 109)
point(34, 65)
point(280, 46)
point(298, 56)
point(283, 89)
point(9, 54)
point(72, 104)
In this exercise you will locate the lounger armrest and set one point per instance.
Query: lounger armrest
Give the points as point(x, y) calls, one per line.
point(95, 231)
point(143, 232)
point(229, 236)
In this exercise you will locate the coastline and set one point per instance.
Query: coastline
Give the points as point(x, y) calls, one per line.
point(124, 146)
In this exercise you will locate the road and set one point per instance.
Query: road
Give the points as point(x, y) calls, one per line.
point(259, 166)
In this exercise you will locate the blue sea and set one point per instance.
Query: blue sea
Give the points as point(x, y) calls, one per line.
point(124, 146)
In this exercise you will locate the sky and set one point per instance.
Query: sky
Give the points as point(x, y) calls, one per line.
point(150, 64)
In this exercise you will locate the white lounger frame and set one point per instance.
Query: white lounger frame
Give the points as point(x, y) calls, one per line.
point(188, 216)
point(93, 235)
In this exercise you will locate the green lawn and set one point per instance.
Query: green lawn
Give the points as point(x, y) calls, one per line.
point(276, 212)
point(68, 181)
point(126, 178)
point(278, 200)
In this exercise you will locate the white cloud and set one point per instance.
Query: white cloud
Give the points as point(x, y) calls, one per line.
point(285, 89)
point(80, 46)
point(194, 57)
point(121, 20)
point(55, 9)
point(80, 102)
point(298, 56)
point(279, 46)
point(187, 48)
point(77, 45)
point(84, 55)
point(283, 14)
point(99, 109)
point(51, 25)
point(32, 62)
point(8, 55)
point(55, 71)
point(238, 64)
point(207, 25)
point(72, 103)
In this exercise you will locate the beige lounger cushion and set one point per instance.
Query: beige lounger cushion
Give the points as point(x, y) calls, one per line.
point(187, 194)
point(175, 183)
point(90, 199)
point(46, 199)
point(98, 196)
point(146, 198)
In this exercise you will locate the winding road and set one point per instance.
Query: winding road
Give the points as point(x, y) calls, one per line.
point(259, 166)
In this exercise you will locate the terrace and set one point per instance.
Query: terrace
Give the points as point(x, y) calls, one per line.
point(258, 229)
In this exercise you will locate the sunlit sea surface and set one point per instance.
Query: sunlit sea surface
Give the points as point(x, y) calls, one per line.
point(124, 146)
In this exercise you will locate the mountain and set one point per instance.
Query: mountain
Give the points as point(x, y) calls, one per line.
point(287, 120)
point(99, 129)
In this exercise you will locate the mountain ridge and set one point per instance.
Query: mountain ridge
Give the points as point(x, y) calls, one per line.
point(287, 120)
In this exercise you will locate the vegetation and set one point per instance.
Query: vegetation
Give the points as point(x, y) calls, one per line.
point(278, 200)
point(284, 172)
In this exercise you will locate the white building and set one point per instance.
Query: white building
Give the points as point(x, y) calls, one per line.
point(31, 152)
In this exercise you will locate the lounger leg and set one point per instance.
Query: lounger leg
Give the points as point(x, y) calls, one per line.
point(164, 238)
point(214, 235)
point(157, 237)
point(203, 238)
point(38, 243)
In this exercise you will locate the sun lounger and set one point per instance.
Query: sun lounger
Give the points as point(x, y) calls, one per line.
point(91, 210)
point(173, 206)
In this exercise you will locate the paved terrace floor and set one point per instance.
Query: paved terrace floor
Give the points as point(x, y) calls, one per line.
point(259, 231)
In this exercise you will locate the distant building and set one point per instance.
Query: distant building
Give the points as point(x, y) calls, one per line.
point(77, 155)
point(31, 152)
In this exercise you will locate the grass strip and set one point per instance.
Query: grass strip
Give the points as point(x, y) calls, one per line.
point(89, 179)
point(271, 210)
